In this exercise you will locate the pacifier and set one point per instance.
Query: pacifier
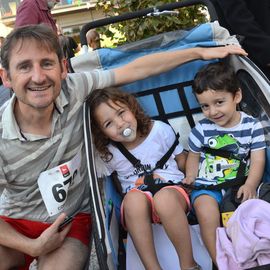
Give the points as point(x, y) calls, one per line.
point(127, 132)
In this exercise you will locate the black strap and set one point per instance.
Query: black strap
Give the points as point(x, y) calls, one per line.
point(137, 163)
point(132, 159)
point(237, 181)
point(163, 160)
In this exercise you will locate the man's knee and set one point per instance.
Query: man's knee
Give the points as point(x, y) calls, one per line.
point(73, 255)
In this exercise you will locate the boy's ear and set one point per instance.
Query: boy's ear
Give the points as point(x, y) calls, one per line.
point(238, 96)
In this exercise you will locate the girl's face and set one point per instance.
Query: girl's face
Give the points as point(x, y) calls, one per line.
point(113, 119)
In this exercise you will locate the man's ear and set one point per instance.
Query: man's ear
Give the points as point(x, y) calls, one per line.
point(5, 78)
point(63, 68)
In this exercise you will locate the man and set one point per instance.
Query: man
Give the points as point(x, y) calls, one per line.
point(251, 20)
point(42, 149)
point(93, 39)
point(36, 12)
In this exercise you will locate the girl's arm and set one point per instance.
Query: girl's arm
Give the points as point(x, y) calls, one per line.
point(181, 161)
point(256, 169)
point(192, 167)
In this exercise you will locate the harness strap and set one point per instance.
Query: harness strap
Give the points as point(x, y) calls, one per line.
point(237, 181)
point(137, 163)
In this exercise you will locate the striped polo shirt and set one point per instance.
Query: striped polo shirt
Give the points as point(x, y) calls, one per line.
point(24, 156)
point(246, 136)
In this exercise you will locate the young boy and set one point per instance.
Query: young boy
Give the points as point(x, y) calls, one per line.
point(217, 90)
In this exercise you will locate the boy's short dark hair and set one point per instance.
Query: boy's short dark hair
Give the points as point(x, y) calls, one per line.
point(41, 33)
point(218, 76)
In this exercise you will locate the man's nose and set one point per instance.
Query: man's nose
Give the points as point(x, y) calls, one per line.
point(38, 75)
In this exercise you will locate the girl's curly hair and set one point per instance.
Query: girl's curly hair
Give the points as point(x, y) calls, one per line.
point(115, 95)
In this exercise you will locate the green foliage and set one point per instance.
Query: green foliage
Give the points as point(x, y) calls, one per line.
point(136, 29)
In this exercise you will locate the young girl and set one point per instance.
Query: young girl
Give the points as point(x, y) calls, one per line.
point(116, 117)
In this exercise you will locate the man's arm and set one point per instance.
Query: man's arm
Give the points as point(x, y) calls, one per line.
point(48, 241)
point(154, 64)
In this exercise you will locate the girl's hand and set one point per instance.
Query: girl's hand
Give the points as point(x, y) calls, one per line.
point(247, 191)
point(189, 180)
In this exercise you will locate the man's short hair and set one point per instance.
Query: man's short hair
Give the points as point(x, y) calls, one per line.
point(41, 33)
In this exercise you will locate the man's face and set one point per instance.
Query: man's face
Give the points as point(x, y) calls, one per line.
point(52, 3)
point(35, 75)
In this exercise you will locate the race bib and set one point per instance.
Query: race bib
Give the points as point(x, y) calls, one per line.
point(54, 184)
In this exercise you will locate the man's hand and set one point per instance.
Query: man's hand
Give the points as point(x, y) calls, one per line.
point(221, 52)
point(51, 238)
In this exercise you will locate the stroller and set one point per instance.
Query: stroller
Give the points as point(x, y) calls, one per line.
point(167, 97)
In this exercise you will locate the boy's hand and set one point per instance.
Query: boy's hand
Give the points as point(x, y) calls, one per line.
point(247, 191)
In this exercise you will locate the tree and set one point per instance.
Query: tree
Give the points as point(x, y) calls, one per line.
point(140, 28)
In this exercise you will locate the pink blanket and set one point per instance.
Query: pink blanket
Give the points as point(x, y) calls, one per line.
point(245, 242)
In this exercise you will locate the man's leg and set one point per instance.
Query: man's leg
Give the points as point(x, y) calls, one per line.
point(10, 258)
point(72, 255)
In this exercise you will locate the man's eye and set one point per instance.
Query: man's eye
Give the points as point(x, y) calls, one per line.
point(24, 68)
point(47, 65)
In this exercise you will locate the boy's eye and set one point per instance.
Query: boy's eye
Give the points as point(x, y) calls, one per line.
point(204, 107)
point(220, 102)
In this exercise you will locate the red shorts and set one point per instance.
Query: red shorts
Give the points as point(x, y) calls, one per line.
point(80, 229)
point(149, 196)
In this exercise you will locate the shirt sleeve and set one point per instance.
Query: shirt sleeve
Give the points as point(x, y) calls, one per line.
point(196, 139)
point(258, 138)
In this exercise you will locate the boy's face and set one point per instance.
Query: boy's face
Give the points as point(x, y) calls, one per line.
point(220, 107)
point(113, 119)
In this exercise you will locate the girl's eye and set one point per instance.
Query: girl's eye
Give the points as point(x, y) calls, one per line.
point(121, 112)
point(107, 124)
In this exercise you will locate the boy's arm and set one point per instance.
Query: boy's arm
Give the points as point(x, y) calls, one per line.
point(157, 63)
point(192, 167)
point(256, 169)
